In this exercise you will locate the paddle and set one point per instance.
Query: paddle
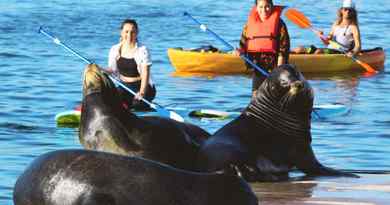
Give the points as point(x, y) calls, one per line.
point(204, 28)
point(302, 21)
point(160, 110)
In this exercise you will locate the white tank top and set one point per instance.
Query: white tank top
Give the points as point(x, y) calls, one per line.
point(343, 35)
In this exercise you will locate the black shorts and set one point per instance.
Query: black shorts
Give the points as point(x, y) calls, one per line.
point(129, 100)
point(264, 61)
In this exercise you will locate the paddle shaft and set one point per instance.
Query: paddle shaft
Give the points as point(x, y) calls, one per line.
point(359, 171)
point(58, 42)
point(204, 28)
point(353, 171)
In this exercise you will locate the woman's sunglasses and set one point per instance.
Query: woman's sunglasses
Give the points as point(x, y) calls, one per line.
point(347, 9)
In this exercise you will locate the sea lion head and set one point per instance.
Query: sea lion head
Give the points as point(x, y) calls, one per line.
point(99, 91)
point(287, 88)
point(95, 80)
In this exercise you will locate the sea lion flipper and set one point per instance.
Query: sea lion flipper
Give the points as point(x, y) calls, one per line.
point(308, 163)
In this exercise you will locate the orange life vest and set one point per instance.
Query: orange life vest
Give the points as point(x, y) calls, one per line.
point(262, 34)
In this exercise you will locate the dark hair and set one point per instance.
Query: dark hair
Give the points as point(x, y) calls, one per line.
point(268, 1)
point(130, 21)
point(353, 16)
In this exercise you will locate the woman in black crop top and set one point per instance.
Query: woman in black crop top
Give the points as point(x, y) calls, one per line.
point(132, 62)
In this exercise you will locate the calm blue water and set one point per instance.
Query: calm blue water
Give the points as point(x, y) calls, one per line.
point(40, 79)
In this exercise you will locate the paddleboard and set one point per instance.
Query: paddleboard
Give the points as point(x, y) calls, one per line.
point(71, 118)
point(215, 114)
point(320, 112)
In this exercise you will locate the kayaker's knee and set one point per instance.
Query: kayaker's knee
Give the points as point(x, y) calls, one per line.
point(299, 50)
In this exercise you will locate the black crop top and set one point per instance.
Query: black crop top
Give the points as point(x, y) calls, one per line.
point(127, 67)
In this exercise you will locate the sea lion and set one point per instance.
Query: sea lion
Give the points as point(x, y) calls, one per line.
point(106, 125)
point(84, 177)
point(271, 136)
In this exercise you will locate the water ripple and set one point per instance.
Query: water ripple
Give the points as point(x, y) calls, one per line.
point(17, 127)
point(12, 55)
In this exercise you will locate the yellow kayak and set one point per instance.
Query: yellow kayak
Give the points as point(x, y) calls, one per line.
point(220, 63)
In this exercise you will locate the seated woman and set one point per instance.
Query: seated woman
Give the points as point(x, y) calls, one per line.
point(345, 32)
point(131, 61)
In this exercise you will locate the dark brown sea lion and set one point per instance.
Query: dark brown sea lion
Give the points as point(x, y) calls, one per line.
point(271, 136)
point(107, 126)
point(83, 177)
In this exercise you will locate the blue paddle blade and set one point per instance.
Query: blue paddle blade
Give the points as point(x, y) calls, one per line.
point(329, 111)
point(175, 116)
point(166, 113)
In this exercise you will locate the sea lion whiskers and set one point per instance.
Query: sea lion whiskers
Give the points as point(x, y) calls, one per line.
point(286, 100)
point(295, 87)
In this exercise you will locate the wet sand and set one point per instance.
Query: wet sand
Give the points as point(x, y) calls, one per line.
point(367, 190)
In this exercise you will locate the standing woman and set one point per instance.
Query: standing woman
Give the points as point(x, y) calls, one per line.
point(132, 62)
point(264, 39)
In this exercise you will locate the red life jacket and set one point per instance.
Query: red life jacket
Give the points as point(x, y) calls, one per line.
point(262, 35)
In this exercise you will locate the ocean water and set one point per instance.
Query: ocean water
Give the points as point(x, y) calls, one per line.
point(40, 79)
